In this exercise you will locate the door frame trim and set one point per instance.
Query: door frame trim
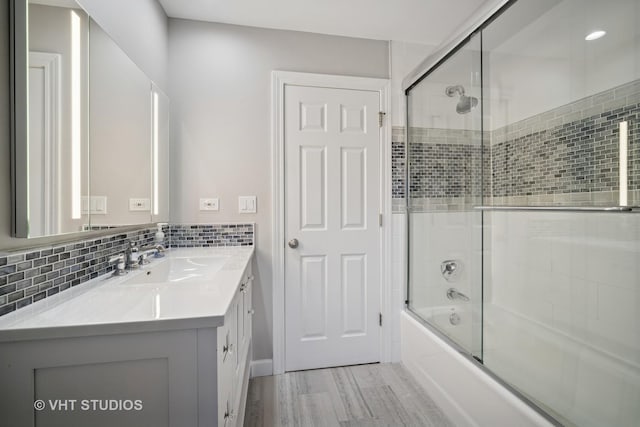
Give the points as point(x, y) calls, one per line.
point(280, 79)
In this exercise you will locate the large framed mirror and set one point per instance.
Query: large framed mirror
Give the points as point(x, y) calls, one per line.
point(90, 129)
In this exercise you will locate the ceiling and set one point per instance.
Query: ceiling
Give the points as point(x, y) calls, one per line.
point(418, 21)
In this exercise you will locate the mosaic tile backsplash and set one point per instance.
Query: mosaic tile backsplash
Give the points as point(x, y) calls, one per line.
point(34, 274)
point(567, 151)
point(214, 235)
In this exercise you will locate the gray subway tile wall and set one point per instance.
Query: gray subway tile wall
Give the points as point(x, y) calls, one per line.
point(31, 275)
point(551, 158)
point(575, 157)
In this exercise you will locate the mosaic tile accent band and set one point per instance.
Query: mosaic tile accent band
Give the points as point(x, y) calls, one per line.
point(398, 163)
point(34, 274)
point(444, 170)
point(576, 157)
point(554, 156)
point(210, 235)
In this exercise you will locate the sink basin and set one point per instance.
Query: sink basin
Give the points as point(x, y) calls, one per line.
point(187, 269)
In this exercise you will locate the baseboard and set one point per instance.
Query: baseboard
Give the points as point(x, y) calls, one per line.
point(261, 368)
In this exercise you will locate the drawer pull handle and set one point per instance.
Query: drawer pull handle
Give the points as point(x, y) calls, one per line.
point(252, 312)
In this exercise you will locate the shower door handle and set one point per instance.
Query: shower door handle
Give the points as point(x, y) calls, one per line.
point(293, 243)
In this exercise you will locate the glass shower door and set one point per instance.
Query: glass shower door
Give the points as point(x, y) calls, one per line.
point(445, 175)
point(561, 277)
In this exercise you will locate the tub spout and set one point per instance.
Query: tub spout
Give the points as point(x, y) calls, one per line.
point(454, 294)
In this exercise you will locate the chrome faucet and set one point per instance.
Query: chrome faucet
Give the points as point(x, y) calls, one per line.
point(157, 250)
point(131, 256)
point(120, 264)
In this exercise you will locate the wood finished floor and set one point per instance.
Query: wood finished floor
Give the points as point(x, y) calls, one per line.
point(363, 395)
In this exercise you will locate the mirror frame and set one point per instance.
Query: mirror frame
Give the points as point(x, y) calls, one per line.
point(19, 121)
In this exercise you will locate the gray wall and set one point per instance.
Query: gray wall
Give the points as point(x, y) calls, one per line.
point(141, 32)
point(120, 131)
point(140, 29)
point(221, 119)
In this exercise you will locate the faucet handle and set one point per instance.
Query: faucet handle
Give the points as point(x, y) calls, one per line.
point(119, 258)
point(451, 269)
point(120, 264)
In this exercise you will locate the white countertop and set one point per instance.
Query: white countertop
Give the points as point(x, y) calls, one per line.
point(196, 297)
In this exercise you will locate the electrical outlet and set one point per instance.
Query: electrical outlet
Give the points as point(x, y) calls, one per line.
point(210, 204)
point(136, 204)
point(247, 204)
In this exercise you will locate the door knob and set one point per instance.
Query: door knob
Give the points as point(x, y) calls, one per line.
point(293, 243)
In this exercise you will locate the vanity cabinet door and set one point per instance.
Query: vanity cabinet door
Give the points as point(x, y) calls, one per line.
point(245, 317)
point(226, 369)
point(247, 313)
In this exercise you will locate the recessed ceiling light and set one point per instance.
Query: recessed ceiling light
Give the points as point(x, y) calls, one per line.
point(595, 35)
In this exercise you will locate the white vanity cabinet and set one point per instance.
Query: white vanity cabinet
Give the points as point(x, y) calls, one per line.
point(187, 364)
point(234, 346)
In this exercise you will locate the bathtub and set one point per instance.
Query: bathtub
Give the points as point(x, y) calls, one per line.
point(467, 394)
point(588, 386)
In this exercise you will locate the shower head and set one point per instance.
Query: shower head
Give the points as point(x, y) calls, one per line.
point(465, 103)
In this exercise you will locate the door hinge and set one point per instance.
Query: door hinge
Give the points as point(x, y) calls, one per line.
point(380, 220)
point(380, 318)
point(381, 115)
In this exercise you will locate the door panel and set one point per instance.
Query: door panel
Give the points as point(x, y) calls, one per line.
point(354, 188)
point(332, 286)
point(354, 294)
point(313, 193)
point(313, 293)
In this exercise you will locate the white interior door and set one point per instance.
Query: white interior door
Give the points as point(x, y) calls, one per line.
point(332, 198)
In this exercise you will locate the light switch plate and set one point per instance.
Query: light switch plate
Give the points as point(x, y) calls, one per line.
point(209, 204)
point(94, 205)
point(136, 204)
point(98, 205)
point(247, 204)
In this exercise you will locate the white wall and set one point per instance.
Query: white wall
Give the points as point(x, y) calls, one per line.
point(404, 58)
point(140, 28)
point(221, 96)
